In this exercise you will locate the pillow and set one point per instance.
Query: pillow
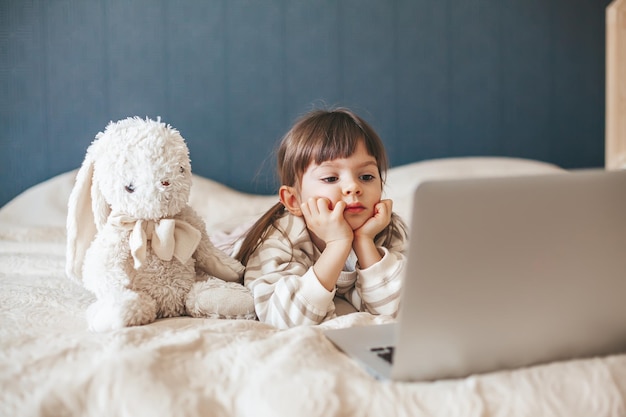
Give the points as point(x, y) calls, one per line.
point(402, 180)
point(224, 208)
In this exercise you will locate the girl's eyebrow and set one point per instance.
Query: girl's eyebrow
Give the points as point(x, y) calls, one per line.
point(368, 163)
point(361, 165)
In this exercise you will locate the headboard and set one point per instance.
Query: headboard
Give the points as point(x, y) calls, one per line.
point(435, 79)
point(616, 85)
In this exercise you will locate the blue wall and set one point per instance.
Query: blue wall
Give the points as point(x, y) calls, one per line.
point(436, 78)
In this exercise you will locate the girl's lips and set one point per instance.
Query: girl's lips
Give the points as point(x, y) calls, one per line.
point(354, 208)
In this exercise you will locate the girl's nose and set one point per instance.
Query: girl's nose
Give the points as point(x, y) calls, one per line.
point(352, 187)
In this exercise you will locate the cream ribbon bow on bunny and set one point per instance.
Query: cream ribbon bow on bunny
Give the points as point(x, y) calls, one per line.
point(168, 237)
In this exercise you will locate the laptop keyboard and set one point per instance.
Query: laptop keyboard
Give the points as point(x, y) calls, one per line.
point(384, 352)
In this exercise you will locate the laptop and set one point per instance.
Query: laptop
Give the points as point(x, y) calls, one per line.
point(504, 273)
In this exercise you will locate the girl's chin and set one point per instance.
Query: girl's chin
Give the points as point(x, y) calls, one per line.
point(356, 223)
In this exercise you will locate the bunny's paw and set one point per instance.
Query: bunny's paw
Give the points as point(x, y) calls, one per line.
point(219, 299)
point(130, 310)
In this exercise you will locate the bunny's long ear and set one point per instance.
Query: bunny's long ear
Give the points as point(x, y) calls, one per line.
point(99, 205)
point(81, 228)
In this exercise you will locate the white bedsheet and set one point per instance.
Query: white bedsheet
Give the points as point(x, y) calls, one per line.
point(50, 365)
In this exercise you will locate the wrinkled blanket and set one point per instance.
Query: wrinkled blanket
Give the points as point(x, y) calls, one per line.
point(51, 365)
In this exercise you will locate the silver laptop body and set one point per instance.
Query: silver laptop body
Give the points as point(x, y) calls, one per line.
point(504, 273)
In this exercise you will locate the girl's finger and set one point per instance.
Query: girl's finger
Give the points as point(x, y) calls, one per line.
point(339, 207)
point(384, 207)
point(312, 205)
point(323, 205)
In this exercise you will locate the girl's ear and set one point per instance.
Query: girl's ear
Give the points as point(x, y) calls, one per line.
point(290, 200)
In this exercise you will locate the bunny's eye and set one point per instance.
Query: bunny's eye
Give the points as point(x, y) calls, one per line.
point(130, 188)
point(182, 170)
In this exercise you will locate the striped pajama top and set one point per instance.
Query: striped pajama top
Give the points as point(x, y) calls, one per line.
point(287, 293)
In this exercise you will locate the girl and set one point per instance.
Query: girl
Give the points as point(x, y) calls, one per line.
point(330, 234)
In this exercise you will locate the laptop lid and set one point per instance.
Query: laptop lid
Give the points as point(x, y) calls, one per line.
point(510, 272)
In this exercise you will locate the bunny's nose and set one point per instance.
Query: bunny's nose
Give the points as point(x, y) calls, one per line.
point(165, 183)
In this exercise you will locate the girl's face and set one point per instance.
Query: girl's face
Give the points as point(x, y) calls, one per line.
point(354, 180)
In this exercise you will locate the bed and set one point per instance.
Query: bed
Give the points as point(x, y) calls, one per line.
point(51, 365)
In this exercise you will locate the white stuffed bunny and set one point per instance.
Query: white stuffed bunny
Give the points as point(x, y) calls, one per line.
point(133, 240)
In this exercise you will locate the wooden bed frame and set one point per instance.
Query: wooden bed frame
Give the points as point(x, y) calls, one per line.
point(615, 138)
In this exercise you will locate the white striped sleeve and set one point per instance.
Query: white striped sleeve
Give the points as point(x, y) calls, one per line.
point(286, 291)
point(379, 286)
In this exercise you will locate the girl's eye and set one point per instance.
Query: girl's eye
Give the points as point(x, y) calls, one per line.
point(330, 179)
point(367, 177)
point(130, 188)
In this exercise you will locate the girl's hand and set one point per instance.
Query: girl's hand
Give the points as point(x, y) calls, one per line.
point(363, 243)
point(327, 223)
point(375, 224)
point(333, 236)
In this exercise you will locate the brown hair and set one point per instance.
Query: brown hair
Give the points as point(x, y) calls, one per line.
point(320, 136)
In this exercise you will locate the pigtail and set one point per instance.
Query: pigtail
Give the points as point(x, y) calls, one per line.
point(257, 234)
